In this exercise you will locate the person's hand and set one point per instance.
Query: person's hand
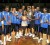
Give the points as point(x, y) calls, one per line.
point(0, 20)
point(8, 16)
point(12, 11)
point(8, 23)
point(46, 21)
point(29, 20)
point(4, 18)
point(32, 19)
point(16, 14)
point(41, 21)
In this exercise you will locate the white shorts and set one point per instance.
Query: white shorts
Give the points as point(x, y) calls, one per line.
point(24, 23)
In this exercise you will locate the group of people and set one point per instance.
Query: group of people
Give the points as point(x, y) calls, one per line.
point(28, 21)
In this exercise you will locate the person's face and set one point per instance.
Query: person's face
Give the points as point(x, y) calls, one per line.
point(23, 7)
point(20, 10)
point(38, 8)
point(14, 9)
point(44, 10)
point(29, 9)
point(35, 10)
point(25, 12)
point(6, 9)
point(32, 7)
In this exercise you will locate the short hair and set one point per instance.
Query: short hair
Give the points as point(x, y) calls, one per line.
point(45, 8)
point(6, 6)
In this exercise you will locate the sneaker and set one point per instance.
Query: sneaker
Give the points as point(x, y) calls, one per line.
point(41, 38)
point(17, 36)
point(33, 35)
point(1, 42)
point(9, 40)
point(47, 41)
point(30, 34)
point(10, 37)
point(20, 34)
point(26, 34)
point(35, 38)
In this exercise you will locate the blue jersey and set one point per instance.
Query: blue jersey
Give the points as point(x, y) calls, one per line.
point(9, 18)
point(49, 19)
point(6, 15)
point(1, 17)
point(37, 15)
point(11, 15)
point(18, 18)
point(14, 18)
point(44, 18)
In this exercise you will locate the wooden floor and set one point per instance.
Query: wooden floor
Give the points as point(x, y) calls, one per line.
point(23, 41)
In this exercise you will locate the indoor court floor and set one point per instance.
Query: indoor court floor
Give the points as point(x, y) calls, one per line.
point(23, 41)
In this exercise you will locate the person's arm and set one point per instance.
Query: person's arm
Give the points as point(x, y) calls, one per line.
point(14, 13)
point(9, 19)
point(39, 15)
point(29, 19)
point(3, 18)
point(19, 17)
point(36, 18)
point(0, 20)
point(44, 22)
point(47, 21)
